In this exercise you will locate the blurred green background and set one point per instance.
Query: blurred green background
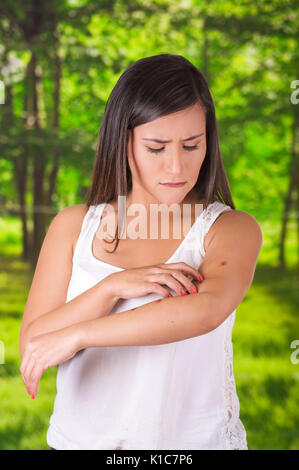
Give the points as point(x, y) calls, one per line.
point(59, 63)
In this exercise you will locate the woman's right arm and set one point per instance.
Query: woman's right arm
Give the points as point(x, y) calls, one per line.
point(46, 308)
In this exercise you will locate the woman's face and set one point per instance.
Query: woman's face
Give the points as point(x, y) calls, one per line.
point(177, 160)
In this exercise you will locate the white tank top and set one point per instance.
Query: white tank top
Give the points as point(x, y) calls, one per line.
point(180, 395)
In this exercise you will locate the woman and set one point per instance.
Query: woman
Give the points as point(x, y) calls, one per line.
point(142, 339)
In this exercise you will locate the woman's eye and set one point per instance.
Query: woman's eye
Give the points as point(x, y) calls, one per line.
point(155, 150)
point(194, 147)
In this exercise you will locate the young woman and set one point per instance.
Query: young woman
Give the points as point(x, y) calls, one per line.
point(142, 339)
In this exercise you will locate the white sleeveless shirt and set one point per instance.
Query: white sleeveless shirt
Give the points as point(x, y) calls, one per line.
point(180, 395)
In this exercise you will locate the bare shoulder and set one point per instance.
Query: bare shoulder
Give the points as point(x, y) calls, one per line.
point(54, 266)
point(73, 213)
point(235, 223)
point(238, 217)
point(229, 263)
point(72, 218)
point(241, 220)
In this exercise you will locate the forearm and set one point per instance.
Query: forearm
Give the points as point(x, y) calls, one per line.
point(171, 319)
point(93, 303)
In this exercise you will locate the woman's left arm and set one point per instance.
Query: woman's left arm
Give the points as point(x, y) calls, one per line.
point(228, 267)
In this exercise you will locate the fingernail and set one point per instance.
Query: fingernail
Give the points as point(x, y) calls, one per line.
point(32, 396)
point(183, 292)
point(200, 277)
point(170, 295)
point(193, 290)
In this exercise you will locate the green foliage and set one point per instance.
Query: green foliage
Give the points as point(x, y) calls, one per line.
point(246, 50)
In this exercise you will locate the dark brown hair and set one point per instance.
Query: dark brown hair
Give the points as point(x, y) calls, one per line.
point(151, 88)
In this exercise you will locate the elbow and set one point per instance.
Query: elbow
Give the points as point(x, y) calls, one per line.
point(216, 310)
point(207, 312)
point(225, 306)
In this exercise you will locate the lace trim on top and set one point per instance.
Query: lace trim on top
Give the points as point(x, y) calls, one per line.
point(212, 211)
point(209, 212)
point(233, 432)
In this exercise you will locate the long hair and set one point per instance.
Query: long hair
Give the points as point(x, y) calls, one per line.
point(148, 89)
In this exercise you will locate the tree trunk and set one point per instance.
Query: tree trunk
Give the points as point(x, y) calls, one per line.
point(56, 117)
point(20, 170)
point(39, 163)
point(19, 162)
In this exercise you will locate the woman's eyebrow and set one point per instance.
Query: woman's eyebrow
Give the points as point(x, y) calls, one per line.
point(159, 141)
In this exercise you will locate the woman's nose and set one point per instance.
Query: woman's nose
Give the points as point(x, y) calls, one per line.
point(174, 163)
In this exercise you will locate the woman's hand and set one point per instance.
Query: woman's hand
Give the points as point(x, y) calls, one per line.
point(44, 351)
point(137, 282)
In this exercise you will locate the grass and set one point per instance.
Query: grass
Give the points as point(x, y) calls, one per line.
point(266, 379)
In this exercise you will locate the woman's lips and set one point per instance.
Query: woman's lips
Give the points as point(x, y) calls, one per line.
point(174, 185)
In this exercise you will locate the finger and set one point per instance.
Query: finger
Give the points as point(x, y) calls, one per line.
point(24, 366)
point(185, 281)
point(24, 361)
point(31, 372)
point(156, 288)
point(28, 373)
point(35, 378)
point(169, 280)
point(185, 268)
